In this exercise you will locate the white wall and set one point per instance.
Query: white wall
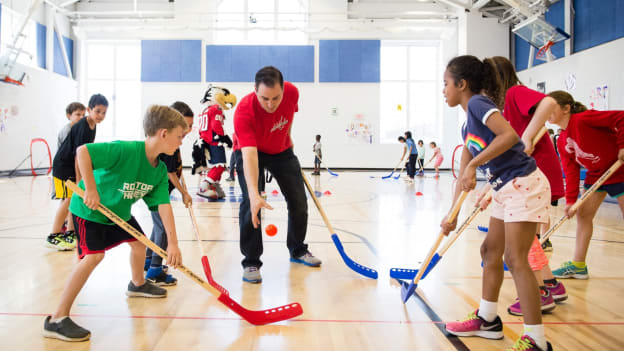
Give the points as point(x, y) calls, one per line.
point(598, 66)
point(41, 114)
point(482, 37)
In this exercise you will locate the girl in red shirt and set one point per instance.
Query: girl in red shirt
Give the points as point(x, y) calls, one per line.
point(594, 140)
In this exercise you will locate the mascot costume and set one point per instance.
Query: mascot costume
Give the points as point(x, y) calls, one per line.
point(208, 152)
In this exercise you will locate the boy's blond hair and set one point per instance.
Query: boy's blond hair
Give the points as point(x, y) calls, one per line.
point(162, 117)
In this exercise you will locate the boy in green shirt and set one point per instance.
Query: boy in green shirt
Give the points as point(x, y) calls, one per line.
point(118, 174)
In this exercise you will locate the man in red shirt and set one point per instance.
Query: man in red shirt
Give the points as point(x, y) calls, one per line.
point(262, 123)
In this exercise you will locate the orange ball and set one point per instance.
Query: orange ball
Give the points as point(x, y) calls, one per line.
point(270, 230)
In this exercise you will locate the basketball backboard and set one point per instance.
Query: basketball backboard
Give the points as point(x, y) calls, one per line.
point(537, 32)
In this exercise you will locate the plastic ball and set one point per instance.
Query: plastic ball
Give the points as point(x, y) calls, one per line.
point(270, 230)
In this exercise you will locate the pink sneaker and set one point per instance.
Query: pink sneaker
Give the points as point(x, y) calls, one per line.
point(557, 291)
point(526, 343)
point(547, 305)
point(474, 325)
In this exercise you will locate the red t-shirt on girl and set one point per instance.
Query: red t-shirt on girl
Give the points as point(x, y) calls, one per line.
point(592, 140)
point(520, 104)
point(269, 132)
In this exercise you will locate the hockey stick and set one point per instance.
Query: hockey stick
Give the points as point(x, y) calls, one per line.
point(583, 198)
point(271, 315)
point(394, 170)
point(365, 271)
point(399, 175)
point(327, 168)
point(407, 290)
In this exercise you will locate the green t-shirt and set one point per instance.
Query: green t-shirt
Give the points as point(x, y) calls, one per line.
point(123, 175)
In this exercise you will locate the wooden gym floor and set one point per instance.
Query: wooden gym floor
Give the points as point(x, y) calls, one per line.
point(382, 224)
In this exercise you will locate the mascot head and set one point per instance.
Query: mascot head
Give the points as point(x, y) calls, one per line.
point(220, 96)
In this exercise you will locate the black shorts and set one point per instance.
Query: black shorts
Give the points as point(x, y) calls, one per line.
point(217, 154)
point(95, 237)
point(614, 190)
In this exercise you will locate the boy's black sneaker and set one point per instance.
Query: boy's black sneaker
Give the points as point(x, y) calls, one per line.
point(65, 330)
point(146, 290)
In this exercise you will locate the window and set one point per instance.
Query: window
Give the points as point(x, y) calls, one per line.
point(261, 22)
point(114, 70)
point(410, 90)
point(10, 24)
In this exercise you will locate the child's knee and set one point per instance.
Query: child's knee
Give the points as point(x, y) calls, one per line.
point(93, 259)
point(515, 260)
point(136, 246)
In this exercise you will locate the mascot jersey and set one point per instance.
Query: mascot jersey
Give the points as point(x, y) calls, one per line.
point(211, 127)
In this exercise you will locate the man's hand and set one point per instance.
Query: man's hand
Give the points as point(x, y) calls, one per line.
point(256, 203)
point(448, 227)
point(174, 257)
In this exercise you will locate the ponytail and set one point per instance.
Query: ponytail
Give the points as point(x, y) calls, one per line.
point(480, 76)
point(563, 98)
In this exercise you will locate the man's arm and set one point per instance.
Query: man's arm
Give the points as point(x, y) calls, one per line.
point(250, 169)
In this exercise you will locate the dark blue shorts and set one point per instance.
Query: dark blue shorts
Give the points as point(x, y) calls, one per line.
point(217, 154)
point(614, 190)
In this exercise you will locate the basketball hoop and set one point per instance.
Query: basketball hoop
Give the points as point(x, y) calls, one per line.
point(544, 53)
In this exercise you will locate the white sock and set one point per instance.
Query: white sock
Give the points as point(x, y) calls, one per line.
point(487, 310)
point(56, 320)
point(536, 332)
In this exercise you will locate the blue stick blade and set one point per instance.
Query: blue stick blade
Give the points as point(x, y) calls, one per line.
point(434, 260)
point(363, 270)
point(504, 265)
point(332, 173)
point(403, 273)
point(406, 293)
point(482, 228)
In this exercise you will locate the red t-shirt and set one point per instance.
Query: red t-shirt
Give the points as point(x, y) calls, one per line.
point(520, 104)
point(269, 132)
point(207, 124)
point(592, 140)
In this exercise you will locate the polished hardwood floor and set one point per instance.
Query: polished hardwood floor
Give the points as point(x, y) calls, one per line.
point(382, 224)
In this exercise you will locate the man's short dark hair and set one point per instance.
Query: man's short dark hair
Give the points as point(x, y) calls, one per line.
point(97, 99)
point(269, 76)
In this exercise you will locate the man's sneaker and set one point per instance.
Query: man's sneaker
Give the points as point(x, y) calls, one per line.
point(229, 179)
point(70, 238)
point(308, 259)
point(158, 277)
point(146, 290)
point(547, 304)
point(547, 246)
point(65, 329)
point(526, 343)
point(569, 270)
point(474, 325)
point(557, 291)
point(252, 275)
point(55, 241)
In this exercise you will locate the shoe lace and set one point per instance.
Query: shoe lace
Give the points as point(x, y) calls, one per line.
point(471, 316)
point(253, 269)
point(522, 344)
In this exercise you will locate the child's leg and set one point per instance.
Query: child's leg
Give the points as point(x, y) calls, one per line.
point(61, 215)
point(518, 239)
point(159, 237)
point(137, 259)
point(70, 221)
point(585, 226)
point(492, 251)
point(76, 281)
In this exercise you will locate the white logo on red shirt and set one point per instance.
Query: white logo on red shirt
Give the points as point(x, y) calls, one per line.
point(280, 124)
point(572, 147)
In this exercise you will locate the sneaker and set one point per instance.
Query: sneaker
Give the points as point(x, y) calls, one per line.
point(219, 190)
point(547, 304)
point(421, 174)
point(70, 238)
point(207, 190)
point(65, 330)
point(308, 259)
point(252, 275)
point(55, 241)
point(568, 270)
point(557, 291)
point(474, 325)
point(158, 277)
point(146, 290)
point(547, 246)
point(229, 179)
point(526, 343)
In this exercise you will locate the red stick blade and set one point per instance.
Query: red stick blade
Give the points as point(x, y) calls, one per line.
point(211, 281)
point(273, 315)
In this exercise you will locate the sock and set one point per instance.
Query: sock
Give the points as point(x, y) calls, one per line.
point(579, 265)
point(538, 236)
point(536, 332)
point(57, 320)
point(552, 281)
point(487, 310)
point(542, 290)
